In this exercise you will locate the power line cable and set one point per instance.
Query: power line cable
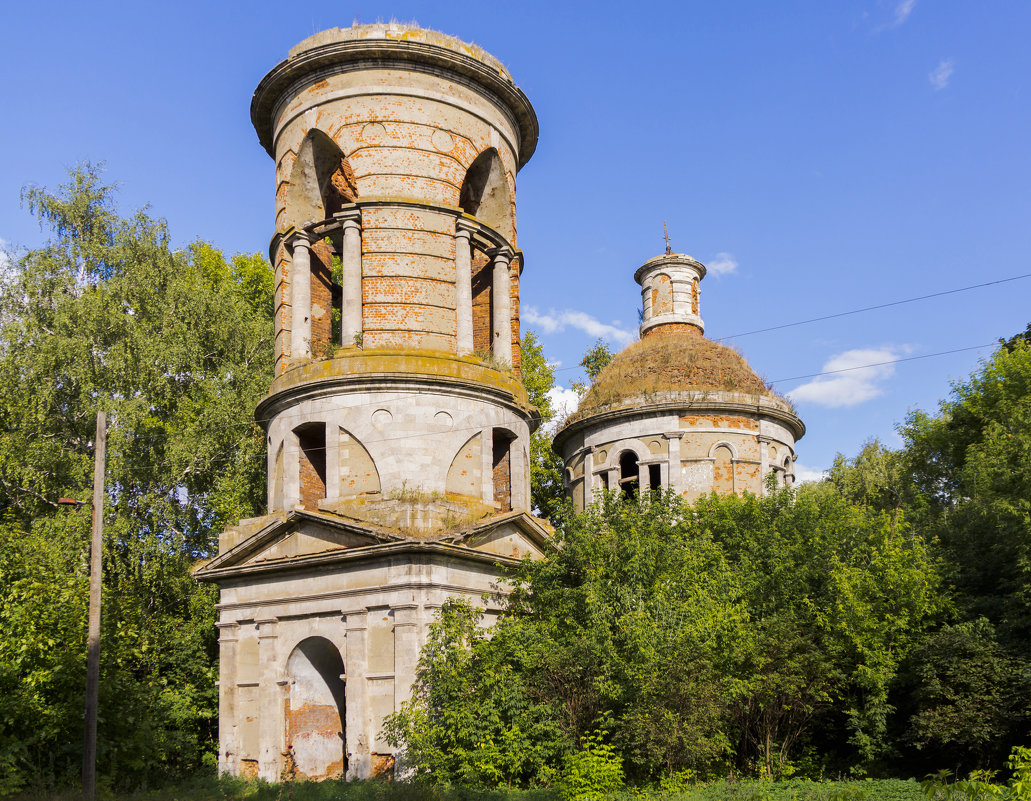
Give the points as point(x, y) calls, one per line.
point(875, 307)
point(880, 364)
point(837, 315)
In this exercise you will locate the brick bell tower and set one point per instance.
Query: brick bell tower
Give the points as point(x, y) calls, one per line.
point(398, 428)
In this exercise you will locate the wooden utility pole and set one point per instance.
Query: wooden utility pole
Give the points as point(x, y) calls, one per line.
point(89, 751)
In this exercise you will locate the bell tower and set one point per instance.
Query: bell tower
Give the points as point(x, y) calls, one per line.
point(397, 271)
point(397, 424)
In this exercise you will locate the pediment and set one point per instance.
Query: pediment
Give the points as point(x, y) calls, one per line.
point(306, 539)
point(294, 537)
point(517, 537)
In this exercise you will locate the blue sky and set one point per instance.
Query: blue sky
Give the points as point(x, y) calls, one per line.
point(826, 156)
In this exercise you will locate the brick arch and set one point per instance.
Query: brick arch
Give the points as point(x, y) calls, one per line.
point(321, 180)
point(487, 194)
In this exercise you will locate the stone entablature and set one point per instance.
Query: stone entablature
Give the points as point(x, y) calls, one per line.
point(691, 442)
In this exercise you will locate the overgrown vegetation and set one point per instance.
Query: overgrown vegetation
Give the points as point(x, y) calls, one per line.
point(671, 362)
point(176, 345)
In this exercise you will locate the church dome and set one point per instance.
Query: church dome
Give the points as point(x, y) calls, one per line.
point(671, 362)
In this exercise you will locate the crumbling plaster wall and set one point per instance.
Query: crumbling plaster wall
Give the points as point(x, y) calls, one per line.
point(684, 445)
point(412, 439)
point(376, 614)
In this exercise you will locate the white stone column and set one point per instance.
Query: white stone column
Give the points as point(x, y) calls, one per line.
point(351, 283)
point(487, 465)
point(300, 298)
point(676, 470)
point(764, 463)
point(291, 470)
point(228, 745)
point(356, 727)
point(406, 651)
point(463, 290)
point(519, 480)
point(271, 725)
point(502, 302)
point(588, 482)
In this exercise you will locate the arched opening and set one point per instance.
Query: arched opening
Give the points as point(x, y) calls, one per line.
point(502, 463)
point(655, 477)
point(315, 714)
point(311, 443)
point(694, 296)
point(723, 470)
point(321, 182)
point(486, 195)
point(629, 476)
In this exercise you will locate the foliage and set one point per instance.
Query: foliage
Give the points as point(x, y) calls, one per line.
point(963, 480)
point(176, 346)
point(545, 465)
point(471, 721)
point(596, 359)
point(965, 690)
point(979, 785)
point(730, 635)
point(205, 787)
point(591, 772)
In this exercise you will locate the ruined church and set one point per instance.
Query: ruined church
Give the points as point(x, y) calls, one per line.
point(397, 424)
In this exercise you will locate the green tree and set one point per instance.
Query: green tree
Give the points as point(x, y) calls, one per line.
point(471, 720)
point(176, 345)
point(595, 360)
point(546, 493)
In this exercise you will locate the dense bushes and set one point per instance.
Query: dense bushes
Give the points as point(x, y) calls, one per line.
point(741, 635)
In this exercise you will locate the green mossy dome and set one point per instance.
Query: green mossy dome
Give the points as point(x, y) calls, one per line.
point(672, 363)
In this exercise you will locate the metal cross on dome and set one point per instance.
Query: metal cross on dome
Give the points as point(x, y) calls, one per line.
point(665, 235)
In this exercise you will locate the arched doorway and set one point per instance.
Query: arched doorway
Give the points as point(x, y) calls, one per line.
point(315, 710)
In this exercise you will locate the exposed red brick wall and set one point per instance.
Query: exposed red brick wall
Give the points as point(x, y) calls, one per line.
point(312, 443)
point(341, 189)
point(517, 351)
point(319, 720)
point(321, 300)
point(672, 328)
point(502, 473)
point(482, 279)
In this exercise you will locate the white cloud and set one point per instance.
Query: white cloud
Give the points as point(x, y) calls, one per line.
point(852, 382)
point(902, 11)
point(564, 402)
point(722, 264)
point(805, 474)
point(940, 75)
point(557, 321)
